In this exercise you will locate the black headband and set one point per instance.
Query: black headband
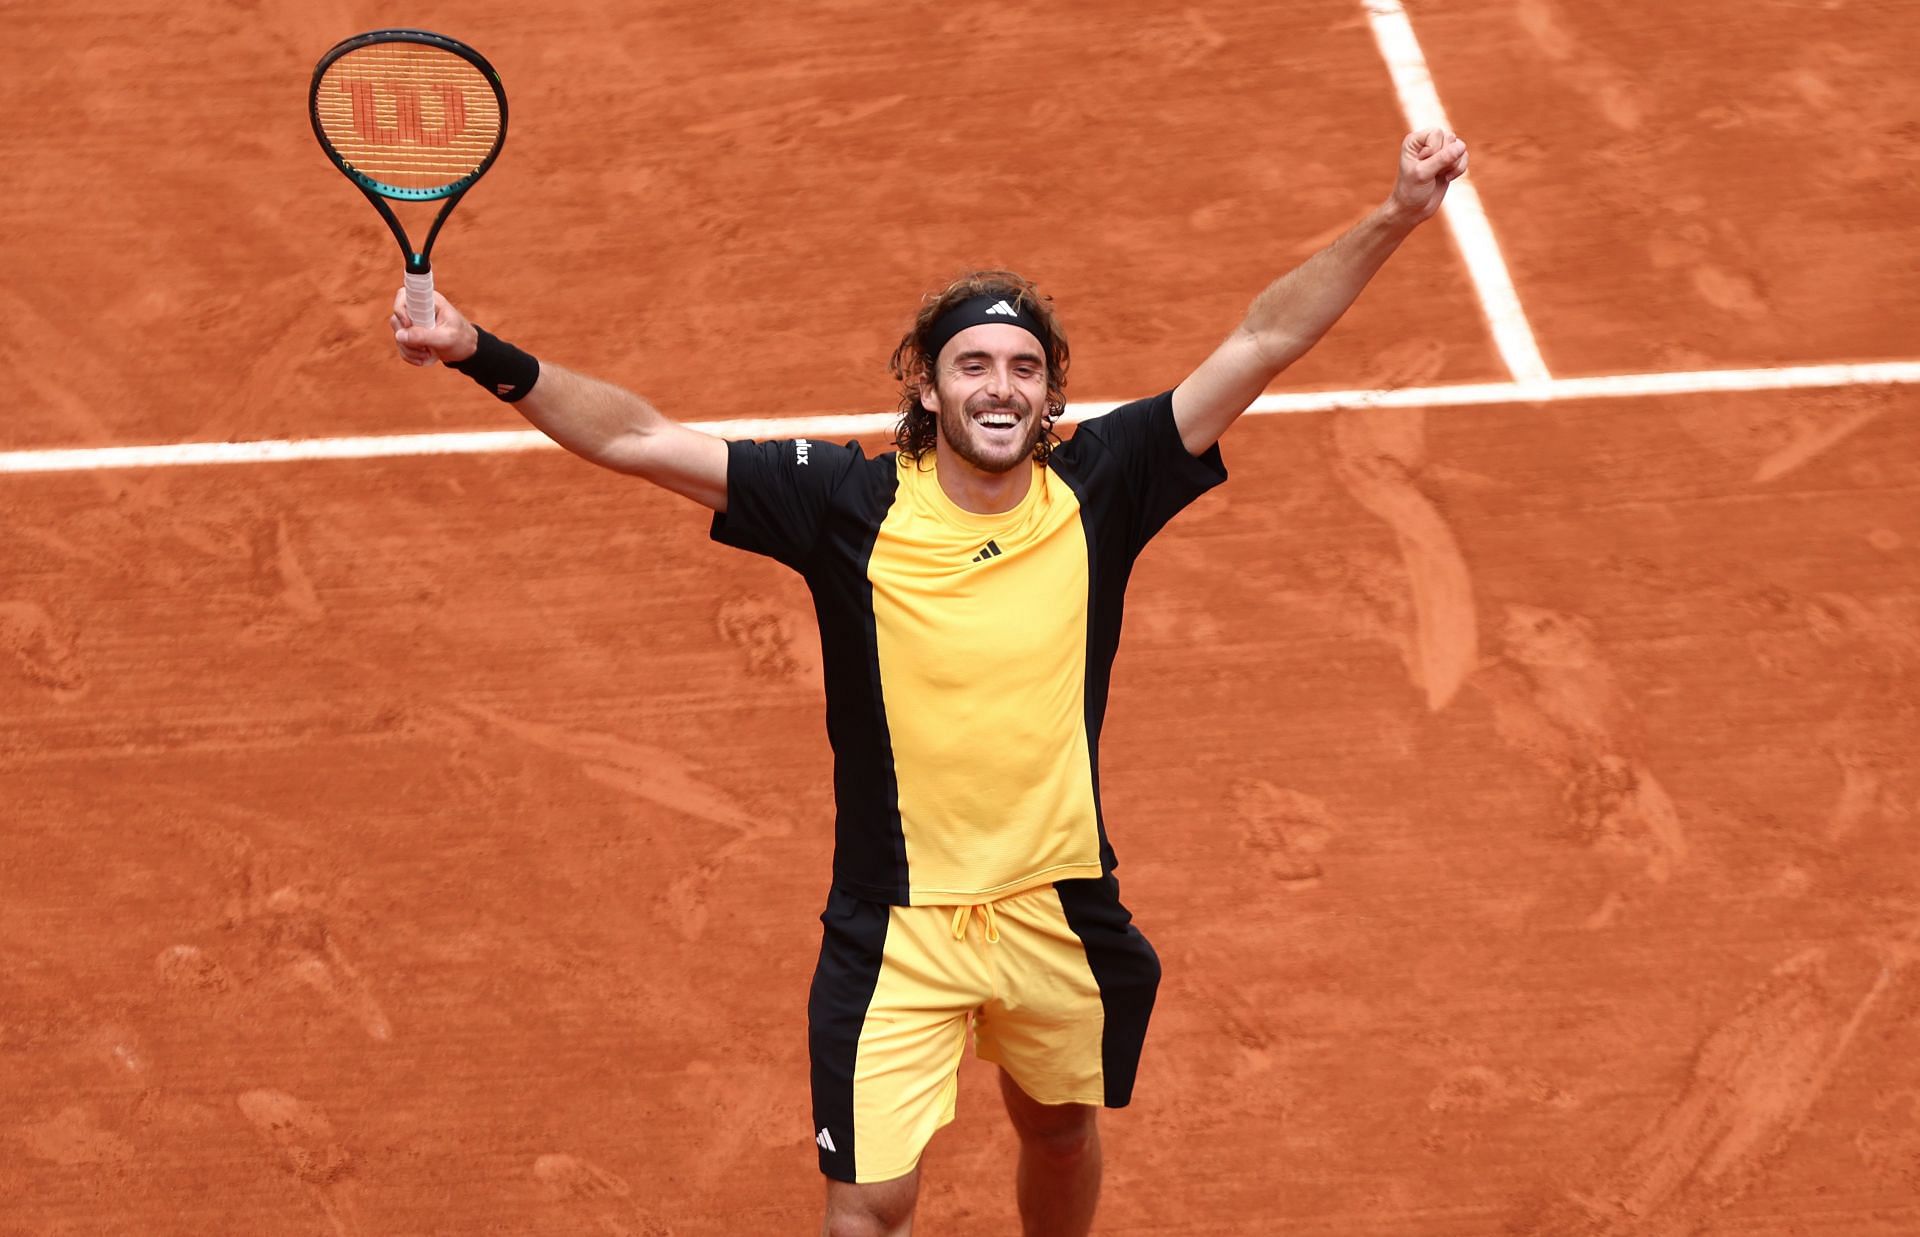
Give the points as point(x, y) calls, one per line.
point(980, 310)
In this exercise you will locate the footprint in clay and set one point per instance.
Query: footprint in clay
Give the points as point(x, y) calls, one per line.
point(44, 654)
point(595, 1195)
point(303, 1142)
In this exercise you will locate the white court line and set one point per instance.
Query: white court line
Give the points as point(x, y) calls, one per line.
point(1464, 215)
point(1608, 386)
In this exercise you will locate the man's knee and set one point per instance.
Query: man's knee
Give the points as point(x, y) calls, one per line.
point(1063, 1144)
point(878, 1209)
point(1062, 1133)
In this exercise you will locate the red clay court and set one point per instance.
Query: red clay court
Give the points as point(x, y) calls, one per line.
point(1514, 763)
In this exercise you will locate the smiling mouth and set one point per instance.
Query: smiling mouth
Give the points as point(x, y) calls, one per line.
point(996, 420)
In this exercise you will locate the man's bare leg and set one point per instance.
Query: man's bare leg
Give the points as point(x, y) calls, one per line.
point(1059, 1182)
point(876, 1209)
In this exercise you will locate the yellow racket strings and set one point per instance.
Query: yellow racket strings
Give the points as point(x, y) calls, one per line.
point(408, 115)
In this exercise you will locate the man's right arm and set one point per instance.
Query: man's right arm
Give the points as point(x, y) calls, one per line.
point(595, 420)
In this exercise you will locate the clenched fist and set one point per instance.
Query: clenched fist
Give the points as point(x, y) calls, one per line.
point(1430, 160)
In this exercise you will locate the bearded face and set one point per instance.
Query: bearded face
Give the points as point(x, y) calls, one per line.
point(990, 395)
point(992, 433)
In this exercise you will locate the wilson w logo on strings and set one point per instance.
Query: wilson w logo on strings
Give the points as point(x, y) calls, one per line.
point(409, 127)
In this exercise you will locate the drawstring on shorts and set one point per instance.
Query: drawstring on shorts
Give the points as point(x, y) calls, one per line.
point(963, 915)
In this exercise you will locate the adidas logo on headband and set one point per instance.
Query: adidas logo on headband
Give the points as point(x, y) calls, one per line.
point(977, 310)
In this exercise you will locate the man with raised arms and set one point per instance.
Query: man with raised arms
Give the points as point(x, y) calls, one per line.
point(968, 587)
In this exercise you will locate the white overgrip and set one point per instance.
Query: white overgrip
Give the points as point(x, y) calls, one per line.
point(420, 298)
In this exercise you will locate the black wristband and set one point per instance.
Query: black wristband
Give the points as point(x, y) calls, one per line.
point(506, 372)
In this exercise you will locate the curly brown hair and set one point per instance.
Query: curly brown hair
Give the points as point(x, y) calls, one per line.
point(918, 429)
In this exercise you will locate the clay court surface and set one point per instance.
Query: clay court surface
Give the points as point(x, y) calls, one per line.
point(1522, 797)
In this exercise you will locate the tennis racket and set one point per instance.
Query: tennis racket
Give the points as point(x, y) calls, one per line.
point(409, 116)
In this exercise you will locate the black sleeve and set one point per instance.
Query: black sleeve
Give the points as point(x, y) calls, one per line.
point(1138, 447)
point(778, 495)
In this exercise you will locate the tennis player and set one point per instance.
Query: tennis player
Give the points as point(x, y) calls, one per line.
point(968, 587)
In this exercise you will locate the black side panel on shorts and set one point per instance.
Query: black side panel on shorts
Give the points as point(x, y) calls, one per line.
point(851, 947)
point(1126, 968)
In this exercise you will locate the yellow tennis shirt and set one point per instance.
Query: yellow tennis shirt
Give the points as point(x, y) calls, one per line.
point(966, 656)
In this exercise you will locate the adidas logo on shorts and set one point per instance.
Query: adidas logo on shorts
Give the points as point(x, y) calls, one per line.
point(825, 1140)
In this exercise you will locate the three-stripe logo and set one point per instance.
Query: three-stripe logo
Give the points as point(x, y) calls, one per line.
point(987, 551)
point(825, 1140)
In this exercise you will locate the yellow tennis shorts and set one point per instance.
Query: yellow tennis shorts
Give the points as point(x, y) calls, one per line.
point(1056, 984)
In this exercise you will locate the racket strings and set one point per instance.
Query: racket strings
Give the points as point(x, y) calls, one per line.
point(414, 117)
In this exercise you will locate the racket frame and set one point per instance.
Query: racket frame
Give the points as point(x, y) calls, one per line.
point(419, 267)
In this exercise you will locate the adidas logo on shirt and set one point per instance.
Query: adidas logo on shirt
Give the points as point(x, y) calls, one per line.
point(1001, 307)
point(987, 551)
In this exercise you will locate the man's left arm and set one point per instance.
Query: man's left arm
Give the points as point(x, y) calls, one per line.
point(1298, 308)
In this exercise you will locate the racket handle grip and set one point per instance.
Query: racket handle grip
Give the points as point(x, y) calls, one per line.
point(420, 298)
